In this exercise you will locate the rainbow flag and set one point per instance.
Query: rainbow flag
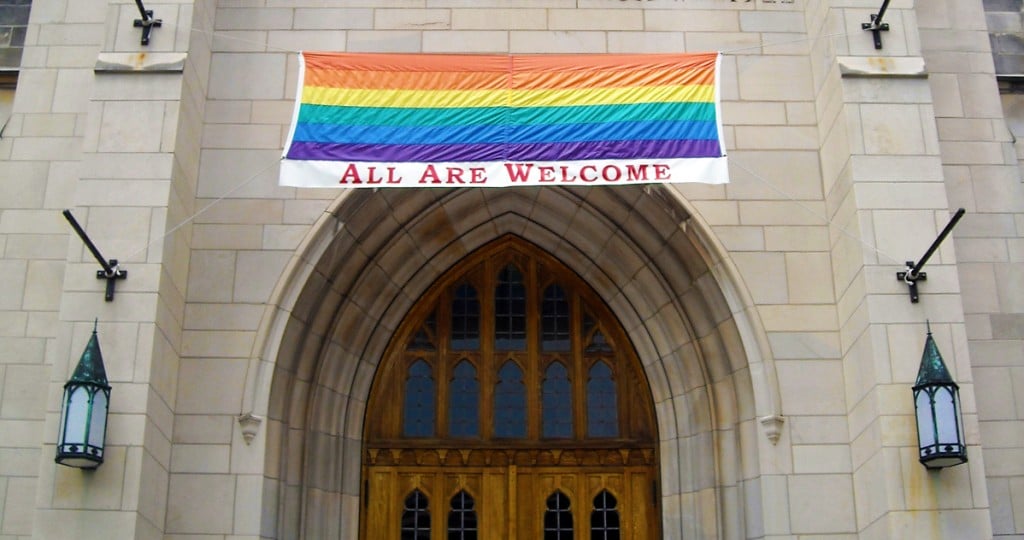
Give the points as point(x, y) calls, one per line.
point(429, 120)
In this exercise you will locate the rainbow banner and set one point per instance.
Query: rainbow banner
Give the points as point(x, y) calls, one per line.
point(427, 120)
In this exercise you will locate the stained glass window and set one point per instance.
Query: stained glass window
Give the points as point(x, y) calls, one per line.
point(464, 402)
point(510, 402)
point(555, 320)
point(604, 519)
point(416, 517)
point(462, 518)
point(556, 402)
point(558, 518)
point(465, 318)
point(510, 311)
point(418, 413)
point(602, 405)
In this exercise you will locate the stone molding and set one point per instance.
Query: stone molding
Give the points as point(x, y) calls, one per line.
point(463, 457)
point(140, 62)
point(911, 67)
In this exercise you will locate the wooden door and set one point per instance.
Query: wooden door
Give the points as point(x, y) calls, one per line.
point(418, 502)
point(510, 404)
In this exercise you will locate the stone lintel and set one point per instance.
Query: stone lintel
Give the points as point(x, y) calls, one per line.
point(140, 62)
point(882, 66)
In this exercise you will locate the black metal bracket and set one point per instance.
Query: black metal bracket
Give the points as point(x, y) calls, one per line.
point(876, 26)
point(913, 272)
point(111, 272)
point(147, 22)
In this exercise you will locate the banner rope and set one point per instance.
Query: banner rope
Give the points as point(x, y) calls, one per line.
point(202, 210)
point(824, 219)
point(732, 161)
point(789, 42)
point(212, 34)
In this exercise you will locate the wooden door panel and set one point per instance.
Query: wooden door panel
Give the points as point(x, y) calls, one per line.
point(510, 502)
point(381, 490)
point(493, 506)
point(534, 488)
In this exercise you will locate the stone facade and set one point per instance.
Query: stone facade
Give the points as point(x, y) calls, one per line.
point(779, 346)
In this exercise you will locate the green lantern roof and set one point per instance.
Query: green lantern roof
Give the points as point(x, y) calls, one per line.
point(90, 366)
point(933, 369)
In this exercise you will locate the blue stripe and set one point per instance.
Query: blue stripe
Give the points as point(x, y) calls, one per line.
point(473, 116)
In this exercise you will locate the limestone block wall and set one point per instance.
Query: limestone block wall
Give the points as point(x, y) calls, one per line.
point(94, 129)
point(39, 151)
point(982, 175)
point(175, 171)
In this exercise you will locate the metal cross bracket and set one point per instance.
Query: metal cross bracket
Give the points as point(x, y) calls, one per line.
point(147, 22)
point(913, 273)
point(111, 272)
point(876, 26)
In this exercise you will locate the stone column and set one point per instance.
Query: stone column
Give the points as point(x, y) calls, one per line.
point(984, 177)
point(126, 166)
point(887, 196)
point(39, 154)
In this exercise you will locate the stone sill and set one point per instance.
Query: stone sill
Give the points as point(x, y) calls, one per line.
point(882, 66)
point(140, 62)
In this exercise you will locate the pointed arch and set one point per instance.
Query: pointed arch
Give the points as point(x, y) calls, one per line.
point(649, 256)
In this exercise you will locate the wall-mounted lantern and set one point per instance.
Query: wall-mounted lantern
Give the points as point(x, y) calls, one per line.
point(940, 426)
point(83, 417)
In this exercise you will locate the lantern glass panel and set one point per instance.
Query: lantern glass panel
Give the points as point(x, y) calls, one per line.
point(945, 415)
point(925, 419)
point(77, 416)
point(98, 422)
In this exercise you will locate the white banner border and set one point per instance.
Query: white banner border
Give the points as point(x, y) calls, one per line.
point(334, 174)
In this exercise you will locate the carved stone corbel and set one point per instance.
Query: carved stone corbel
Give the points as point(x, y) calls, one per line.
point(773, 427)
point(250, 425)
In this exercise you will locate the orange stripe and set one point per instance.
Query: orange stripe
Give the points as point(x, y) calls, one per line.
point(404, 80)
point(584, 79)
point(455, 72)
point(589, 62)
point(409, 62)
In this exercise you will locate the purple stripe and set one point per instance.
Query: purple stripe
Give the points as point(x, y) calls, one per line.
point(439, 153)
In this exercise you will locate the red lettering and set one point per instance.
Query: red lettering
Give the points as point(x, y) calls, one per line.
point(547, 174)
point(430, 173)
point(372, 179)
point(566, 177)
point(351, 175)
point(662, 172)
point(455, 175)
point(584, 170)
point(518, 172)
point(608, 177)
point(391, 176)
point(636, 172)
point(476, 175)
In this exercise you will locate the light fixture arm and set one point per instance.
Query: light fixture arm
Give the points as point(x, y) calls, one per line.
point(111, 272)
point(913, 273)
point(147, 22)
point(876, 26)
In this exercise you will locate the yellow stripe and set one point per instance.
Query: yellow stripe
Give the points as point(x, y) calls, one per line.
point(515, 98)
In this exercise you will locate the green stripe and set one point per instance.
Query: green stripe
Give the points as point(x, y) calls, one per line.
point(469, 116)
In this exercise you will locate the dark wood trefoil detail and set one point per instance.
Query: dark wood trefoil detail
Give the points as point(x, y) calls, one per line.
point(524, 457)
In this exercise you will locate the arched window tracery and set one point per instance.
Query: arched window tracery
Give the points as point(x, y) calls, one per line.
point(511, 347)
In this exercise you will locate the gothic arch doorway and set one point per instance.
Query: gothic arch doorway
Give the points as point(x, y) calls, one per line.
point(510, 404)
